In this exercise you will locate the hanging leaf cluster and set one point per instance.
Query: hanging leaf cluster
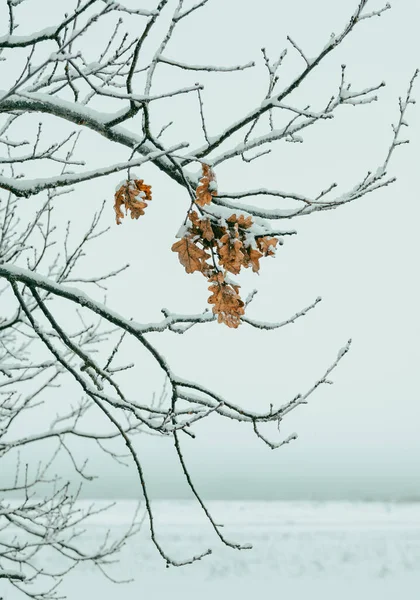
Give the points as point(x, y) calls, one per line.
point(211, 245)
point(216, 247)
point(133, 195)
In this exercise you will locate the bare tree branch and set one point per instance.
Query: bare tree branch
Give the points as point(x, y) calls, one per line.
point(54, 335)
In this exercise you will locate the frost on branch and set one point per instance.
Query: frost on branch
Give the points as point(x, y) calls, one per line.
point(133, 195)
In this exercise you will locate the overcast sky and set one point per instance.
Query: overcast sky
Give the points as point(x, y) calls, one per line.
point(359, 437)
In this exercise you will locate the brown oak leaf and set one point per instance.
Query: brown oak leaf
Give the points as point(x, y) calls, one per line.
point(228, 305)
point(252, 258)
point(242, 221)
point(194, 218)
point(267, 245)
point(230, 252)
point(206, 230)
point(191, 256)
point(206, 188)
point(201, 227)
point(133, 195)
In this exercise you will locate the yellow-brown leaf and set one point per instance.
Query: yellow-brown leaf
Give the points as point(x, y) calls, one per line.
point(191, 256)
point(228, 305)
point(243, 222)
point(206, 229)
point(206, 188)
point(267, 245)
point(252, 259)
point(230, 253)
point(133, 195)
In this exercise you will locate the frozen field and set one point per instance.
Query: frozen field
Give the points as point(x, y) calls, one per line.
point(302, 550)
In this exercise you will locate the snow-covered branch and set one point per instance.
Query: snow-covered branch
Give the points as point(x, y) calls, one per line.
point(112, 89)
point(30, 187)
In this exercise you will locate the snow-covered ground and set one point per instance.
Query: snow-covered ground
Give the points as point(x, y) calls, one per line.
point(302, 550)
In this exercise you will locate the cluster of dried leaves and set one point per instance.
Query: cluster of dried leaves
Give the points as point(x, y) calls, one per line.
point(216, 247)
point(210, 245)
point(133, 195)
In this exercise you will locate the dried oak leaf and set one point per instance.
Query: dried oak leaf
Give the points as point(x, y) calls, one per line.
point(206, 230)
point(267, 245)
point(230, 252)
point(243, 222)
point(133, 195)
point(228, 305)
point(201, 227)
point(194, 218)
point(191, 256)
point(207, 186)
point(252, 258)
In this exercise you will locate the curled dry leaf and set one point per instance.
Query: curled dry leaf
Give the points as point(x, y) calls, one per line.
point(201, 227)
point(133, 195)
point(207, 187)
point(252, 259)
point(267, 245)
point(231, 255)
point(242, 221)
point(206, 229)
point(190, 255)
point(228, 305)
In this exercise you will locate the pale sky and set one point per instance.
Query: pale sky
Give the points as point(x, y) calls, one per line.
point(359, 437)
